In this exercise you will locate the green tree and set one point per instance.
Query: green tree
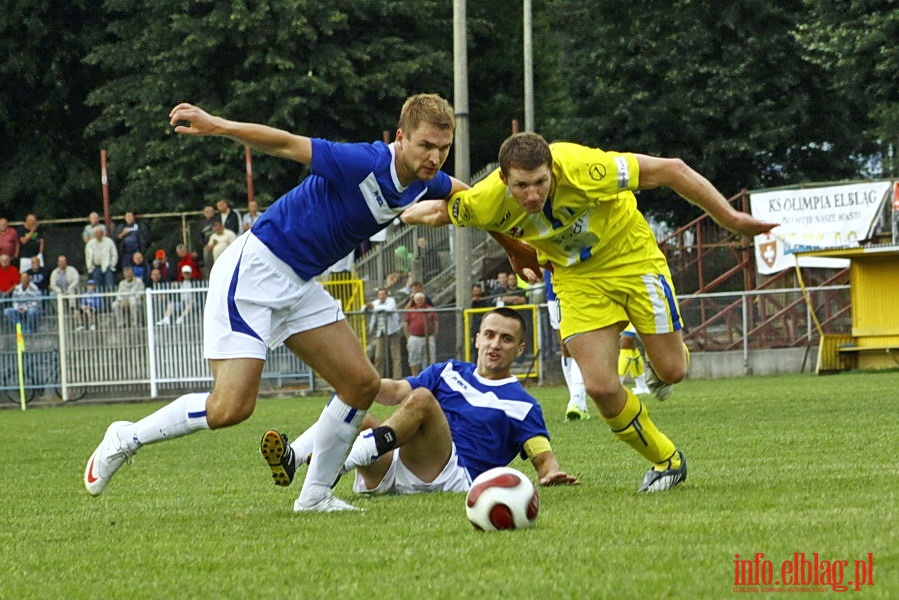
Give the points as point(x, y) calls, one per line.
point(722, 85)
point(855, 43)
point(49, 167)
point(338, 69)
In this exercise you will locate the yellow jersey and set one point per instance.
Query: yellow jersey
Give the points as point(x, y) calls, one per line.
point(591, 213)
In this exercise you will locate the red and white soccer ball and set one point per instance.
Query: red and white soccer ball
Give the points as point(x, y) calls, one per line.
point(502, 498)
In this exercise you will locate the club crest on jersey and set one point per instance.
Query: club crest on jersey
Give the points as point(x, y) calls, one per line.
point(597, 171)
point(516, 232)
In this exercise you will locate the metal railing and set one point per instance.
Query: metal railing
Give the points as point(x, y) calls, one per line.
point(65, 355)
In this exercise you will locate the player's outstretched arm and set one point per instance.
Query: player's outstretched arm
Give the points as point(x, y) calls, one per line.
point(696, 189)
point(188, 119)
point(433, 213)
point(393, 391)
point(550, 472)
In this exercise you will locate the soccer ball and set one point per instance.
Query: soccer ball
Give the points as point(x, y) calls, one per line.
point(502, 498)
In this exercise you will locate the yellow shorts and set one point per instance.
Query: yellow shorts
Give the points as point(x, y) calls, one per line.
point(591, 298)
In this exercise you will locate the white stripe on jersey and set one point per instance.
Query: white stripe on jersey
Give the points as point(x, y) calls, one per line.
point(514, 409)
point(374, 198)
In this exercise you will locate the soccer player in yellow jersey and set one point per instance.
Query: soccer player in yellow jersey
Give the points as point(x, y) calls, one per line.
point(573, 207)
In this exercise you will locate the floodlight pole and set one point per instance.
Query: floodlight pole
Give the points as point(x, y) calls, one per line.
point(528, 68)
point(461, 235)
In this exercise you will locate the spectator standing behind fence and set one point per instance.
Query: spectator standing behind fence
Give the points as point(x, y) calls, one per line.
point(140, 267)
point(205, 232)
point(129, 300)
point(182, 302)
point(132, 237)
point(9, 275)
point(26, 305)
point(31, 240)
point(385, 329)
point(39, 274)
point(420, 326)
point(251, 217)
point(162, 263)
point(516, 294)
point(101, 257)
point(157, 282)
point(93, 221)
point(9, 241)
point(414, 288)
point(64, 278)
point(430, 259)
point(220, 239)
point(229, 218)
point(187, 259)
point(89, 306)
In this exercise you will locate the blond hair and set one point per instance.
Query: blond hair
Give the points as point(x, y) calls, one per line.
point(426, 108)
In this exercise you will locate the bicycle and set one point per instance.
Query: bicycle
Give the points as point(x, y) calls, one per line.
point(41, 372)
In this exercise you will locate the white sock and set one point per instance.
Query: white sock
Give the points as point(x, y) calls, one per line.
point(640, 382)
point(303, 445)
point(337, 427)
point(178, 418)
point(364, 451)
point(575, 382)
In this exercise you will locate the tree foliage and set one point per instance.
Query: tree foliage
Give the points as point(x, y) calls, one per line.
point(855, 43)
point(43, 149)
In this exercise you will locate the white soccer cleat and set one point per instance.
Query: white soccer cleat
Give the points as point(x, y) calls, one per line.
point(327, 504)
point(111, 454)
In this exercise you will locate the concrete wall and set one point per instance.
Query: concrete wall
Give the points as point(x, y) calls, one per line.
point(718, 365)
point(773, 361)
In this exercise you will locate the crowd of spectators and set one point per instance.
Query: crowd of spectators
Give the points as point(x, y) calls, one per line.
point(115, 269)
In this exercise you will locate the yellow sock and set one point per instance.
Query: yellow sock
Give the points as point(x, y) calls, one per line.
point(634, 427)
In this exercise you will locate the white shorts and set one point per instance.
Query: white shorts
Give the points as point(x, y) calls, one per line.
point(552, 307)
point(400, 480)
point(256, 301)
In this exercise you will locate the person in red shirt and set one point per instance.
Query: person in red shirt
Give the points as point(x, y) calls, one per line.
point(420, 327)
point(9, 275)
point(188, 259)
point(9, 240)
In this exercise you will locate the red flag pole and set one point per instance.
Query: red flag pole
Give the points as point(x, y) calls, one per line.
point(249, 158)
point(104, 181)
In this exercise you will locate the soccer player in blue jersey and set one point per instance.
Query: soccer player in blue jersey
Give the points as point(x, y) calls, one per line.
point(263, 293)
point(454, 421)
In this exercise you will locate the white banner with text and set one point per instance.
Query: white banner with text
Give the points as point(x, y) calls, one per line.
point(836, 216)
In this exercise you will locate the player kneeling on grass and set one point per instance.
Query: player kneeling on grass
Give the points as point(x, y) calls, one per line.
point(454, 421)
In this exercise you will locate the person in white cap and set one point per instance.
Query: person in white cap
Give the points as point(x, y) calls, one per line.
point(182, 302)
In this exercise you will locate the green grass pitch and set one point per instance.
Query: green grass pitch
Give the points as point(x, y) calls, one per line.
point(778, 465)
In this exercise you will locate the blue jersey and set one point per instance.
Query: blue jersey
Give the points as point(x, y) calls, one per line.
point(489, 420)
point(352, 193)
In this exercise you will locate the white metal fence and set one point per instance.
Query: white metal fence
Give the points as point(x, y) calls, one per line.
point(75, 350)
